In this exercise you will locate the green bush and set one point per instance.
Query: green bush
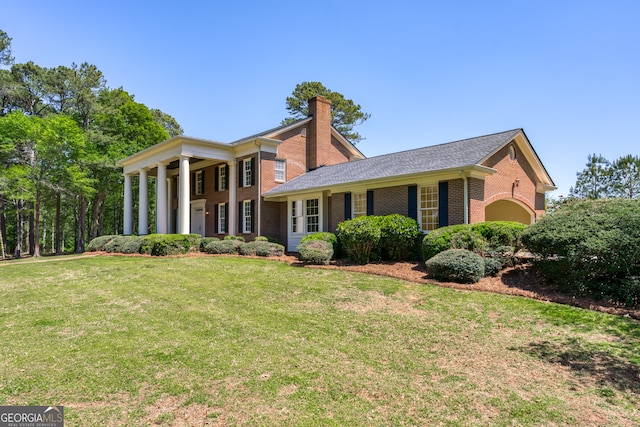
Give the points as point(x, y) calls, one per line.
point(261, 239)
point(169, 244)
point(324, 236)
point(315, 251)
point(399, 236)
point(590, 247)
point(98, 244)
point(456, 265)
point(439, 240)
point(500, 233)
point(205, 240)
point(124, 245)
point(359, 237)
point(480, 237)
point(492, 266)
point(237, 238)
point(260, 248)
point(227, 246)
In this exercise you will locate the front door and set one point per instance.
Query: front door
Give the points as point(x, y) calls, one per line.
point(197, 217)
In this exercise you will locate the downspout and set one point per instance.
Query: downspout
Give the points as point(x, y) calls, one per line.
point(465, 181)
point(259, 201)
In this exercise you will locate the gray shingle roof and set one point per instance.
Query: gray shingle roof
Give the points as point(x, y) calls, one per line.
point(451, 155)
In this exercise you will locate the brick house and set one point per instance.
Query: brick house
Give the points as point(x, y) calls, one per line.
point(305, 177)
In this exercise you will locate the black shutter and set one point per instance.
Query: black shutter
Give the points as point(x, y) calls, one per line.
point(203, 181)
point(215, 218)
point(227, 177)
point(216, 179)
point(347, 206)
point(226, 218)
point(369, 202)
point(240, 174)
point(240, 215)
point(253, 171)
point(193, 183)
point(443, 204)
point(253, 216)
point(412, 195)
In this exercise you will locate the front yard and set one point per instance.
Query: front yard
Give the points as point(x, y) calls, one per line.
point(237, 341)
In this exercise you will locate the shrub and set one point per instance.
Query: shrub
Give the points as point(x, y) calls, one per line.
point(398, 236)
point(468, 239)
point(205, 240)
point(237, 238)
point(169, 244)
point(261, 239)
point(590, 247)
point(99, 243)
point(315, 251)
point(124, 245)
point(261, 248)
point(439, 240)
point(500, 233)
point(492, 266)
point(456, 265)
point(359, 237)
point(323, 236)
point(227, 246)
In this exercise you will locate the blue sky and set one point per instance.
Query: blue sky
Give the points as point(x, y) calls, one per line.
point(428, 72)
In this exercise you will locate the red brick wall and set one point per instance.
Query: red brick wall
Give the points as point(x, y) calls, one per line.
point(501, 185)
point(391, 200)
point(456, 201)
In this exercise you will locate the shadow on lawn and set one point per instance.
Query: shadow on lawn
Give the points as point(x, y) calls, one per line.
point(607, 369)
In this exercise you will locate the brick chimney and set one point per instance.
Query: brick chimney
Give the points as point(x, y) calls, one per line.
point(319, 132)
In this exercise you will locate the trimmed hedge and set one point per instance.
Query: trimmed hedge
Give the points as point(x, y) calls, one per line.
point(206, 240)
point(591, 247)
point(315, 251)
point(227, 246)
point(99, 243)
point(326, 237)
point(359, 237)
point(260, 248)
point(170, 244)
point(456, 265)
point(399, 236)
point(124, 245)
point(480, 237)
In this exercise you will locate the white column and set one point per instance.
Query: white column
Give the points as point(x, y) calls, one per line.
point(169, 203)
point(231, 221)
point(184, 196)
point(128, 205)
point(143, 204)
point(161, 199)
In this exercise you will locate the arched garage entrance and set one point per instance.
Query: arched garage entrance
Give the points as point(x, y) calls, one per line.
point(509, 210)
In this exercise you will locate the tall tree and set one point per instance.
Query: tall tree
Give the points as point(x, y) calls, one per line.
point(5, 49)
point(345, 114)
point(626, 177)
point(169, 123)
point(594, 182)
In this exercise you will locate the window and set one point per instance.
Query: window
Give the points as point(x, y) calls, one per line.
point(281, 170)
point(222, 178)
point(247, 172)
point(222, 218)
point(297, 218)
point(313, 216)
point(199, 183)
point(247, 216)
point(359, 204)
point(428, 208)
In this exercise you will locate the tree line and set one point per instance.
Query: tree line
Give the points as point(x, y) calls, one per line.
point(602, 179)
point(62, 130)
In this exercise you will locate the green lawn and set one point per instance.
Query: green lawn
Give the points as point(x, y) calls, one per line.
point(236, 341)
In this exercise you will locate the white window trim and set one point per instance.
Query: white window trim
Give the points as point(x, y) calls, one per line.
point(199, 183)
point(246, 219)
point(282, 162)
point(354, 212)
point(307, 224)
point(222, 178)
point(246, 173)
point(222, 219)
point(425, 227)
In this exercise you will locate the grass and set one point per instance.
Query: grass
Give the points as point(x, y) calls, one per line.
point(237, 341)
